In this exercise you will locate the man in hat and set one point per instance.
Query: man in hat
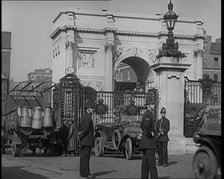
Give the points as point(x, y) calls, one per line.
point(86, 138)
point(148, 144)
point(162, 128)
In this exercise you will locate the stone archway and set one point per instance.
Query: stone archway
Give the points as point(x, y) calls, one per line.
point(140, 60)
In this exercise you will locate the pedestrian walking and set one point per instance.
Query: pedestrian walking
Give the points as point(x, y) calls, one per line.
point(162, 129)
point(148, 145)
point(86, 137)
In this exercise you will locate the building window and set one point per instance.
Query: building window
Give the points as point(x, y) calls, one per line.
point(58, 50)
point(216, 99)
point(216, 60)
point(53, 53)
point(121, 77)
point(216, 77)
point(204, 62)
point(129, 76)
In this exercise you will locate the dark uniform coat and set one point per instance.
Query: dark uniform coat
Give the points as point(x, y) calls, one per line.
point(148, 126)
point(164, 125)
point(86, 134)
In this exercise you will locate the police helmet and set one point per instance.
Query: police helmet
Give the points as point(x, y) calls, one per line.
point(89, 104)
point(163, 110)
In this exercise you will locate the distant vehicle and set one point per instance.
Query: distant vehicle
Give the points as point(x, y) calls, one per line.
point(124, 137)
point(207, 159)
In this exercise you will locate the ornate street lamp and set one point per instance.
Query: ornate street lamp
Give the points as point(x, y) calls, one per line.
point(170, 49)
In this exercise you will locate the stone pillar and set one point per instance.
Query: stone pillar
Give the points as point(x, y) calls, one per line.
point(170, 80)
point(108, 48)
point(69, 54)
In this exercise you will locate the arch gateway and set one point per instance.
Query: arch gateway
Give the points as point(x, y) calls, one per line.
point(92, 45)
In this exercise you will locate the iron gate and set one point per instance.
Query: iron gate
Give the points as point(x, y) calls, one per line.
point(70, 97)
point(198, 94)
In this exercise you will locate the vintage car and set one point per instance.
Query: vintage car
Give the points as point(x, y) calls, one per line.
point(207, 158)
point(124, 136)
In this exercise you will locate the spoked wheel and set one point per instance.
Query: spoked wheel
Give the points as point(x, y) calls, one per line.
point(99, 148)
point(16, 148)
point(128, 149)
point(205, 163)
point(116, 139)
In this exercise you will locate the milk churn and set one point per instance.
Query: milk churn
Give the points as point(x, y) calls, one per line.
point(30, 112)
point(19, 111)
point(47, 117)
point(37, 118)
point(25, 118)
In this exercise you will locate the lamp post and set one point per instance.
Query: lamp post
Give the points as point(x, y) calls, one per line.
point(170, 49)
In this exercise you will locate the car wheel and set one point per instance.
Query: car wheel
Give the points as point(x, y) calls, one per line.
point(99, 149)
point(116, 139)
point(16, 149)
point(128, 148)
point(205, 163)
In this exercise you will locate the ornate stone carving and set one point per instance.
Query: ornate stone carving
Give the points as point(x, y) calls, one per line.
point(108, 46)
point(69, 44)
point(149, 54)
point(86, 59)
point(97, 85)
point(198, 52)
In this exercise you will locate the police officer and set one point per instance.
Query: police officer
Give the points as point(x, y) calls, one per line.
point(162, 129)
point(148, 145)
point(86, 137)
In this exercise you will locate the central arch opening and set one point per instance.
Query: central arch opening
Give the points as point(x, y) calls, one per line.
point(131, 74)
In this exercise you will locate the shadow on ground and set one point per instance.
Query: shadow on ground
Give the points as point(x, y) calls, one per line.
point(172, 163)
point(19, 173)
point(104, 172)
point(121, 156)
point(165, 177)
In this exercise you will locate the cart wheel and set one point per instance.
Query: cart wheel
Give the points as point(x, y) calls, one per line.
point(99, 149)
point(116, 139)
point(128, 148)
point(16, 148)
point(205, 163)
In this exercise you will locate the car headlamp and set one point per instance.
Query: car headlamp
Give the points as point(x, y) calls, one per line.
point(139, 136)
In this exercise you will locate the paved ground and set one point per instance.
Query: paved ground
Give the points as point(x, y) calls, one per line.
point(39, 166)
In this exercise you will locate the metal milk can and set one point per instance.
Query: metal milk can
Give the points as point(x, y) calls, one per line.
point(25, 120)
point(37, 118)
point(47, 118)
point(30, 112)
point(19, 111)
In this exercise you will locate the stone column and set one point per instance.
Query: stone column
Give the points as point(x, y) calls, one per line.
point(108, 48)
point(170, 80)
point(69, 54)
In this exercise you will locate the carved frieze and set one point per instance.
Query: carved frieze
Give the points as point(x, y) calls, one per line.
point(97, 85)
point(86, 59)
point(149, 54)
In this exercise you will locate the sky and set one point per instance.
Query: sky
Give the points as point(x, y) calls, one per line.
point(31, 24)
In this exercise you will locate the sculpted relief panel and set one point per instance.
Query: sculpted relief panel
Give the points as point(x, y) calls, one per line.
point(97, 85)
point(147, 54)
point(86, 59)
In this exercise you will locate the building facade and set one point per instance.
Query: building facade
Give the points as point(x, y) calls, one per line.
point(38, 81)
point(212, 59)
point(93, 44)
point(40, 75)
point(6, 56)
